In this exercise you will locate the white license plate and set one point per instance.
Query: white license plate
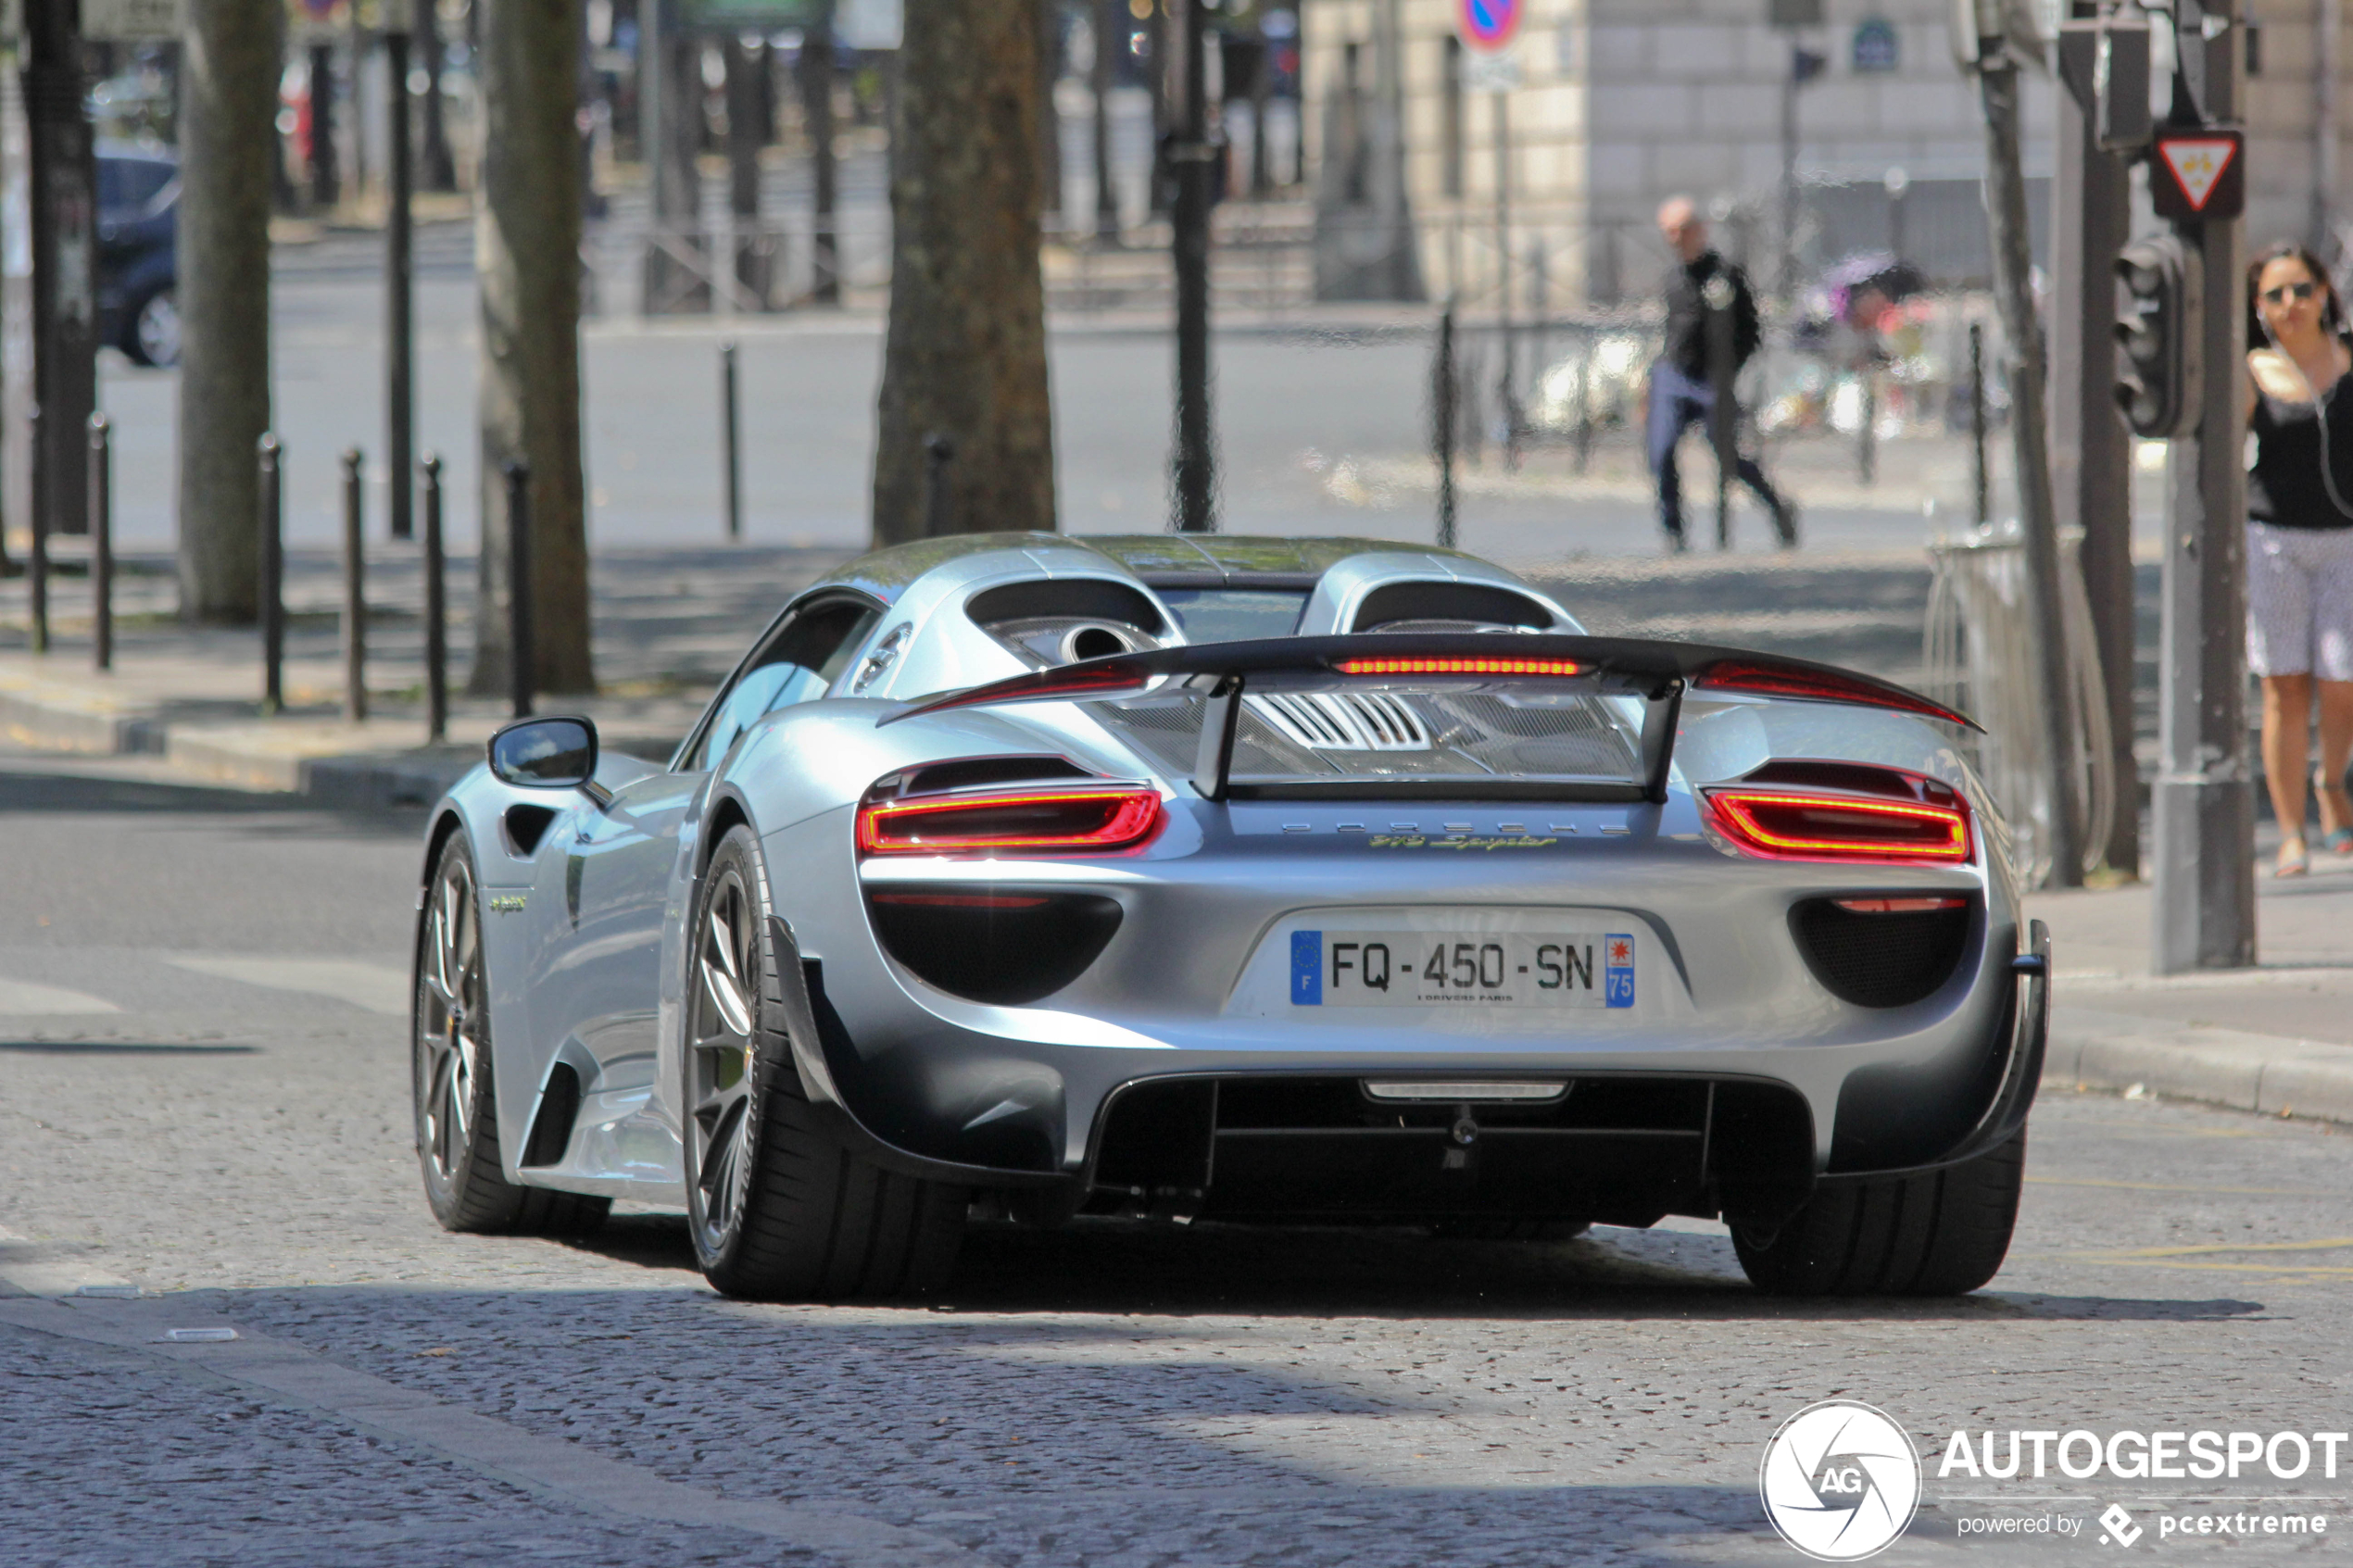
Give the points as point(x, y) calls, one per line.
point(1575, 969)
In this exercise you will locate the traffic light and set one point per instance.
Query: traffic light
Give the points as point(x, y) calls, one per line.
point(2156, 344)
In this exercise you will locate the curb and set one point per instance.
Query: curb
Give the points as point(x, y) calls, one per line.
point(2227, 1066)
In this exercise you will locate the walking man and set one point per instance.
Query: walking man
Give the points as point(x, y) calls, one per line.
point(1681, 392)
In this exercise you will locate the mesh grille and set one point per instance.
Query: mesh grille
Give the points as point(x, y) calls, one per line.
point(1880, 960)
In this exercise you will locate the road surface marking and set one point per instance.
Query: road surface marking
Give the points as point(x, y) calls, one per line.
point(22, 997)
point(373, 987)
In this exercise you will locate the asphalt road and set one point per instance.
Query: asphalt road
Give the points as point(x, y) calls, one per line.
point(203, 1092)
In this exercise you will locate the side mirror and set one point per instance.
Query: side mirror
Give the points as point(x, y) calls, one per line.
point(546, 754)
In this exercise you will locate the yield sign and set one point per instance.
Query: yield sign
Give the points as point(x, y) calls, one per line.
point(1489, 24)
point(2198, 173)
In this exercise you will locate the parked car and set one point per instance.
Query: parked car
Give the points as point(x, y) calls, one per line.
point(138, 254)
point(1000, 881)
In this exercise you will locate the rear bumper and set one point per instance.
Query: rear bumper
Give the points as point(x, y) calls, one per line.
point(1153, 1125)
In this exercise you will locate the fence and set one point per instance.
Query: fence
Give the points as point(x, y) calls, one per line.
point(1977, 645)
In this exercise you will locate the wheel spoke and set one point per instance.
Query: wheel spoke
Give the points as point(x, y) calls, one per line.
point(732, 1014)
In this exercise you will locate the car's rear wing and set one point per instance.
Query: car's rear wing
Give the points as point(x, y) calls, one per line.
point(1657, 673)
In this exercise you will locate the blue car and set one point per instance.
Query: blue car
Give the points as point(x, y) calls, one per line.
point(138, 254)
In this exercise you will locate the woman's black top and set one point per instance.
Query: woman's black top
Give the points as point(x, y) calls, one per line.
point(2284, 486)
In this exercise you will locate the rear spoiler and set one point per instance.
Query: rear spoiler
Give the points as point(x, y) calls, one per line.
point(1659, 672)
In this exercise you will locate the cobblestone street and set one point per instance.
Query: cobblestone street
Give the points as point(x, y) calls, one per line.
point(204, 1094)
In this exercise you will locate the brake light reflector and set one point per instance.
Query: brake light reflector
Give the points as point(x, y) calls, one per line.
point(1465, 666)
point(1068, 820)
point(1784, 826)
point(1899, 906)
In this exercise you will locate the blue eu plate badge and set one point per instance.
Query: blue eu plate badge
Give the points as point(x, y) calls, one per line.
point(1307, 968)
point(1617, 967)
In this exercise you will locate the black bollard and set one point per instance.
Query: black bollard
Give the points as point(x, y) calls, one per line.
point(37, 568)
point(101, 543)
point(436, 609)
point(519, 651)
point(1443, 416)
point(274, 575)
point(731, 442)
point(1977, 423)
point(355, 597)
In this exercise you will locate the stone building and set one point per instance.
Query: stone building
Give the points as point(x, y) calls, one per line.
point(1620, 102)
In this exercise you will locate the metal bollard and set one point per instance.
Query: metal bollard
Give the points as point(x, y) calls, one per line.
point(939, 452)
point(355, 597)
point(519, 650)
point(101, 543)
point(436, 609)
point(37, 568)
point(1443, 416)
point(273, 574)
point(731, 441)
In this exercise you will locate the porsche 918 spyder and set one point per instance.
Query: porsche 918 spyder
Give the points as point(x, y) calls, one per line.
point(1028, 878)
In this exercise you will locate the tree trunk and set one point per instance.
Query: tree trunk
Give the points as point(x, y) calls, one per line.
point(817, 116)
point(527, 254)
point(965, 358)
point(437, 170)
point(228, 104)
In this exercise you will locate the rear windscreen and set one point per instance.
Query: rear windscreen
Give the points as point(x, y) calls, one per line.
point(1517, 731)
point(1235, 615)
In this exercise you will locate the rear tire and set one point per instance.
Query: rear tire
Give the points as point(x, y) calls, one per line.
point(457, 1108)
point(1941, 1234)
point(780, 1208)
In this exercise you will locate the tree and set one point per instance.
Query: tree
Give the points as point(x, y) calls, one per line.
point(964, 360)
point(228, 106)
point(527, 257)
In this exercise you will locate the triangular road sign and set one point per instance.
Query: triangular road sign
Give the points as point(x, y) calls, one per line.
point(2198, 163)
point(2198, 173)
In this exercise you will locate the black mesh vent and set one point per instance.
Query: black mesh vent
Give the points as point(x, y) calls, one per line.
point(1881, 959)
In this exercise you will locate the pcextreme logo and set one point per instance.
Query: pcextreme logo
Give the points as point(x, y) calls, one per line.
point(1839, 1481)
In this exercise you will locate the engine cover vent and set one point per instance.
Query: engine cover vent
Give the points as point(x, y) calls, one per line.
point(1344, 721)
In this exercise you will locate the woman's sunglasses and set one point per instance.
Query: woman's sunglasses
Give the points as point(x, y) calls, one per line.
point(2286, 292)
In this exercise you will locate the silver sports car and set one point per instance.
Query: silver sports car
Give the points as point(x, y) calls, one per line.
point(1022, 878)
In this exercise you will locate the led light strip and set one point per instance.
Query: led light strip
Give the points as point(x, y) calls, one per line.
point(1130, 818)
point(1737, 809)
point(1465, 666)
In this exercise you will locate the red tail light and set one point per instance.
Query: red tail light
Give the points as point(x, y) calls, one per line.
point(1059, 821)
point(1481, 666)
point(1784, 825)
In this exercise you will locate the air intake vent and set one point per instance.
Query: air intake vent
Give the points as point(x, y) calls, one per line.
point(1000, 945)
point(1883, 952)
point(1344, 721)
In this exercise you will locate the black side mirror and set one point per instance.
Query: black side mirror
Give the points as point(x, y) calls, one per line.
point(546, 754)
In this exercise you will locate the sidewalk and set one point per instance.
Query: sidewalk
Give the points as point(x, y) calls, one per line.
point(669, 625)
point(2275, 1038)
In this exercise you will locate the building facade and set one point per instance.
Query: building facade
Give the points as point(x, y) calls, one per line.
point(1618, 104)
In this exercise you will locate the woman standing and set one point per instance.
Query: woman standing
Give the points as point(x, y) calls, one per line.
point(2299, 539)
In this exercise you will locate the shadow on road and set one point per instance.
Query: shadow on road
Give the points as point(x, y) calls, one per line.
point(1113, 1267)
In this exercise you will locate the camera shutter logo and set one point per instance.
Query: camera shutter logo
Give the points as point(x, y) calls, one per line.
point(1839, 1481)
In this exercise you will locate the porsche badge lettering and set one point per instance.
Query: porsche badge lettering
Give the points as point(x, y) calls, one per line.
point(507, 903)
point(1457, 840)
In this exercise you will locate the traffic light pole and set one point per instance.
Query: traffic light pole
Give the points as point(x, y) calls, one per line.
point(2091, 448)
point(2203, 802)
point(65, 326)
point(1195, 165)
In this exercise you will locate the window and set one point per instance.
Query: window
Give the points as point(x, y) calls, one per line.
point(798, 663)
point(1234, 614)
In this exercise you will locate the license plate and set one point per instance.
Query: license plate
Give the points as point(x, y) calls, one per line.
point(1577, 968)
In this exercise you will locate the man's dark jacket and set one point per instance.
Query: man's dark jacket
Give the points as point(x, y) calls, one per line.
point(1687, 314)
